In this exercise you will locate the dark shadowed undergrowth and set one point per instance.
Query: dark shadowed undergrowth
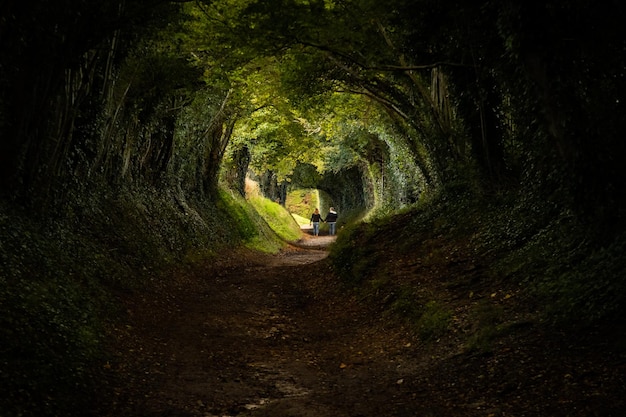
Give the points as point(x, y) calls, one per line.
point(60, 273)
point(499, 244)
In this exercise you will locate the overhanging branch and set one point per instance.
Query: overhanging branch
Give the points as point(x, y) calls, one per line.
point(361, 65)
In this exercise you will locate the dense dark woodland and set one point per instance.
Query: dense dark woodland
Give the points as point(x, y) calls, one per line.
point(123, 122)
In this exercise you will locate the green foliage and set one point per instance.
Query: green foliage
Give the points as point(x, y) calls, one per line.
point(302, 221)
point(50, 330)
point(241, 215)
point(586, 284)
point(50, 345)
point(487, 320)
point(577, 276)
point(248, 223)
point(429, 319)
point(556, 261)
point(433, 320)
point(406, 304)
point(277, 217)
point(302, 202)
point(557, 258)
point(352, 258)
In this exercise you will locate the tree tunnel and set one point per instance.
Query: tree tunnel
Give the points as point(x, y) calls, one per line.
point(161, 95)
point(349, 191)
point(128, 128)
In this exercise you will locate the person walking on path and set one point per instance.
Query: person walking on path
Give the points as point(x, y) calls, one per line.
point(331, 219)
point(316, 218)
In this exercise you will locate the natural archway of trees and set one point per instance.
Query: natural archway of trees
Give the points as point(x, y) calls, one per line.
point(128, 126)
point(418, 95)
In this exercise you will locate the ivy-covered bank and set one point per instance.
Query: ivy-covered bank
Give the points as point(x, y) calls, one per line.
point(482, 246)
point(59, 274)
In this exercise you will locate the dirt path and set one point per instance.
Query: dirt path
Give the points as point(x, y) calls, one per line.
point(278, 336)
point(264, 336)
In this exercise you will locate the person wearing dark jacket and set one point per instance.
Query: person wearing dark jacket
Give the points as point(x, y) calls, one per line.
point(316, 218)
point(331, 219)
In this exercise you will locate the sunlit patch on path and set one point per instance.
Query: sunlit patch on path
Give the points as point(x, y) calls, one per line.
point(308, 241)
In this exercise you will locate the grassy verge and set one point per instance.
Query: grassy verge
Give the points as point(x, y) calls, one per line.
point(278, 218)
point(252, 227)
point(302, 221)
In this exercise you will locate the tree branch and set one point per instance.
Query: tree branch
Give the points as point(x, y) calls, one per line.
point(400, 68)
